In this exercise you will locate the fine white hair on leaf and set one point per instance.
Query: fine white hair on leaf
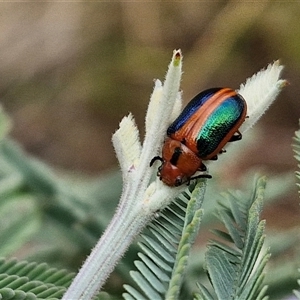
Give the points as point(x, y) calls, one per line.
point(165, 99)
point(127, 144)
point(155, 104)
point(177, 107)
point(160, 108)
point(171, 87)
point(260, 91)
point(141, 200)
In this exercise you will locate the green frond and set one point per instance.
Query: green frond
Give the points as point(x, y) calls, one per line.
point(189, 235)
point(296, 148)
point(39, 206)
point(297, 143)
point(20, 220)
point(165, 248)
point(204, 293)
point(235, 265)
point(29, 280)
point(297, 292)
point(5, 123)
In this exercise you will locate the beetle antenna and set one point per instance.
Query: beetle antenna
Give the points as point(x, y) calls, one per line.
point(154, 159)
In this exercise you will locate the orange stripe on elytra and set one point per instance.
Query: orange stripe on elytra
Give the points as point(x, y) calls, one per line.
point(191, 128)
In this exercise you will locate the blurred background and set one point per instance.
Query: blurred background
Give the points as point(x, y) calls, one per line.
point(69, 72)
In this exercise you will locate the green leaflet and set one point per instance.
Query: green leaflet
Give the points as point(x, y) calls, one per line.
point(5, 123)
point(20, 220)
point(28, 280)
point(166, 248)
point(296, 148)
point(297, 292)
point(235, 269)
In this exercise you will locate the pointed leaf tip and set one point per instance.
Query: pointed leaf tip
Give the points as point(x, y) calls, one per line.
point(260, 91)
point(177, 57)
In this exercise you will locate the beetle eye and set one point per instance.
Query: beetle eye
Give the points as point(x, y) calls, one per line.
point(178, 181)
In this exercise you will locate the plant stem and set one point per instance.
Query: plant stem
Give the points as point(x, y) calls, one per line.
point(108, 251)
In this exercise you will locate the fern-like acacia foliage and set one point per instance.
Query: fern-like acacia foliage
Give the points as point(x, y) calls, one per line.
point(235, 263)
point(23, 280)
point(165, 248)
point(296, 148)
point(297, 292)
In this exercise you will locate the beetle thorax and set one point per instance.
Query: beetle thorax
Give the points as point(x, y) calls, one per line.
point(179, 163)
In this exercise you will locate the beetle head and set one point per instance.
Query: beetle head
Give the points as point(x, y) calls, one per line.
point(179, 163)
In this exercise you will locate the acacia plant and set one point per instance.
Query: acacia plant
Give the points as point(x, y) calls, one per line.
point(165, 219)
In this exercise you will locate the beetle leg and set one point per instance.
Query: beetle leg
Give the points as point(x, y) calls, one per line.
point(202, 168)
point(236, 137)
point(222, 151)
point(199, 176)
point(214, 157)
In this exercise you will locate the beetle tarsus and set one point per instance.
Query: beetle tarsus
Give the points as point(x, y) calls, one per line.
point(202, 168)
point(236, 137)
point(214, 157)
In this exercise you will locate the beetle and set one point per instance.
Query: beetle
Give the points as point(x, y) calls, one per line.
point(209, 121)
